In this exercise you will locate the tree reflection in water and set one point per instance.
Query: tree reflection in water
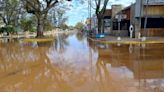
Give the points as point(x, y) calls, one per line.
point(23, 68)
point(80, 36)
point(60, 42)
point(104, 79)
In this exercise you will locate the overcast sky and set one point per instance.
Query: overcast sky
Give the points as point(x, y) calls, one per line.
point(79, 12)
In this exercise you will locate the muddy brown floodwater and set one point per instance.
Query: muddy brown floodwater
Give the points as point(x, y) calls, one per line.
point(72, 63)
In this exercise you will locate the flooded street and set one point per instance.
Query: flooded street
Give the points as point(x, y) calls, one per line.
point(73, 63)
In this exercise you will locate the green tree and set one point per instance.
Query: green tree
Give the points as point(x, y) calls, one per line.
point(100, 7)
point(28, 24)
point(48, 26)
point(11, 10)
point(57, 15)
point(40, 9)
point(79, 25)
point(8, 29)
point(64, 26)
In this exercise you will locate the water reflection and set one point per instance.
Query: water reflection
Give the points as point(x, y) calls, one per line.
point(141, 65)
point(73, 63)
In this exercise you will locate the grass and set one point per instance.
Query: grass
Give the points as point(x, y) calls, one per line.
point(38, 40)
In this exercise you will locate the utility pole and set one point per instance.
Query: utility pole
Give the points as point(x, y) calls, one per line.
point(90, 16)
point(145, 22)
point(119, 26)
point(89, 13)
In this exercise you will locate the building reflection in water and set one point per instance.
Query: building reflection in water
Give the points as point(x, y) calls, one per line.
point(140, 66)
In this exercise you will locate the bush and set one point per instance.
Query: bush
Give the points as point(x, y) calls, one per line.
point(28, 25)
point(8, 29)
point(64, 26)
point(48, 26)
point(79, 26)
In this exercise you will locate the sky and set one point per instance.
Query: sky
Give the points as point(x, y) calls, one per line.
point(79, 12)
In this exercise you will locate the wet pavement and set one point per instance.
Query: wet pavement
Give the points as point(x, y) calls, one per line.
point(73, 63)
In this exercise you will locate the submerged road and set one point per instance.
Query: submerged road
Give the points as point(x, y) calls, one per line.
point(73, 63)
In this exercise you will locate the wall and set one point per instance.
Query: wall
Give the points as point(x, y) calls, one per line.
point(116, 9)
point(153, 10)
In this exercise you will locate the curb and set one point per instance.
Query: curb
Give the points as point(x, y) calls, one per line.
point(127, 42)
point(38, 40)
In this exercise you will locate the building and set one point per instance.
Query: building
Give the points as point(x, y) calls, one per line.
point(94, 22)
point(107, 17)
point(107, 21)
point(136, 14)
point(121, 22)
point(116, 9)
point(88, 23)
point(153, 10)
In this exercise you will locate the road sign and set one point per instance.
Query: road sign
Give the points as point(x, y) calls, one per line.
point(121, 16)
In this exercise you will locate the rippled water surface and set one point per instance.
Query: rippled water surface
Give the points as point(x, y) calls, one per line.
point(72, 63)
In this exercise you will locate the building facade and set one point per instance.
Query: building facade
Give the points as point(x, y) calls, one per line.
point(137, 14)
point(92, 22)
point(152, 10)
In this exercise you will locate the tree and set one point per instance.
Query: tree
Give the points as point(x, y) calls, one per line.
point(57, 14)
point(11, 10)
point(48, 26)
point(28, 24)
point(79, 25)
point(57, 17)
point(64, 26)
point(61, 19)
point(100, 7)
point(100, 14)
point(8, 29)
point(40, 9)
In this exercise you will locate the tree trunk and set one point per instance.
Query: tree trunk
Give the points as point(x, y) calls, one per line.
point(40, 27)
point(102, 25)
point(99, 25)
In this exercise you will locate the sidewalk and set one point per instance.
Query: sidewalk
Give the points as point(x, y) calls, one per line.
point(126, 40)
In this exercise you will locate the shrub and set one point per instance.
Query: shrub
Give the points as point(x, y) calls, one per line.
point(28, 25)
point(8, 29)
point(48, 26)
